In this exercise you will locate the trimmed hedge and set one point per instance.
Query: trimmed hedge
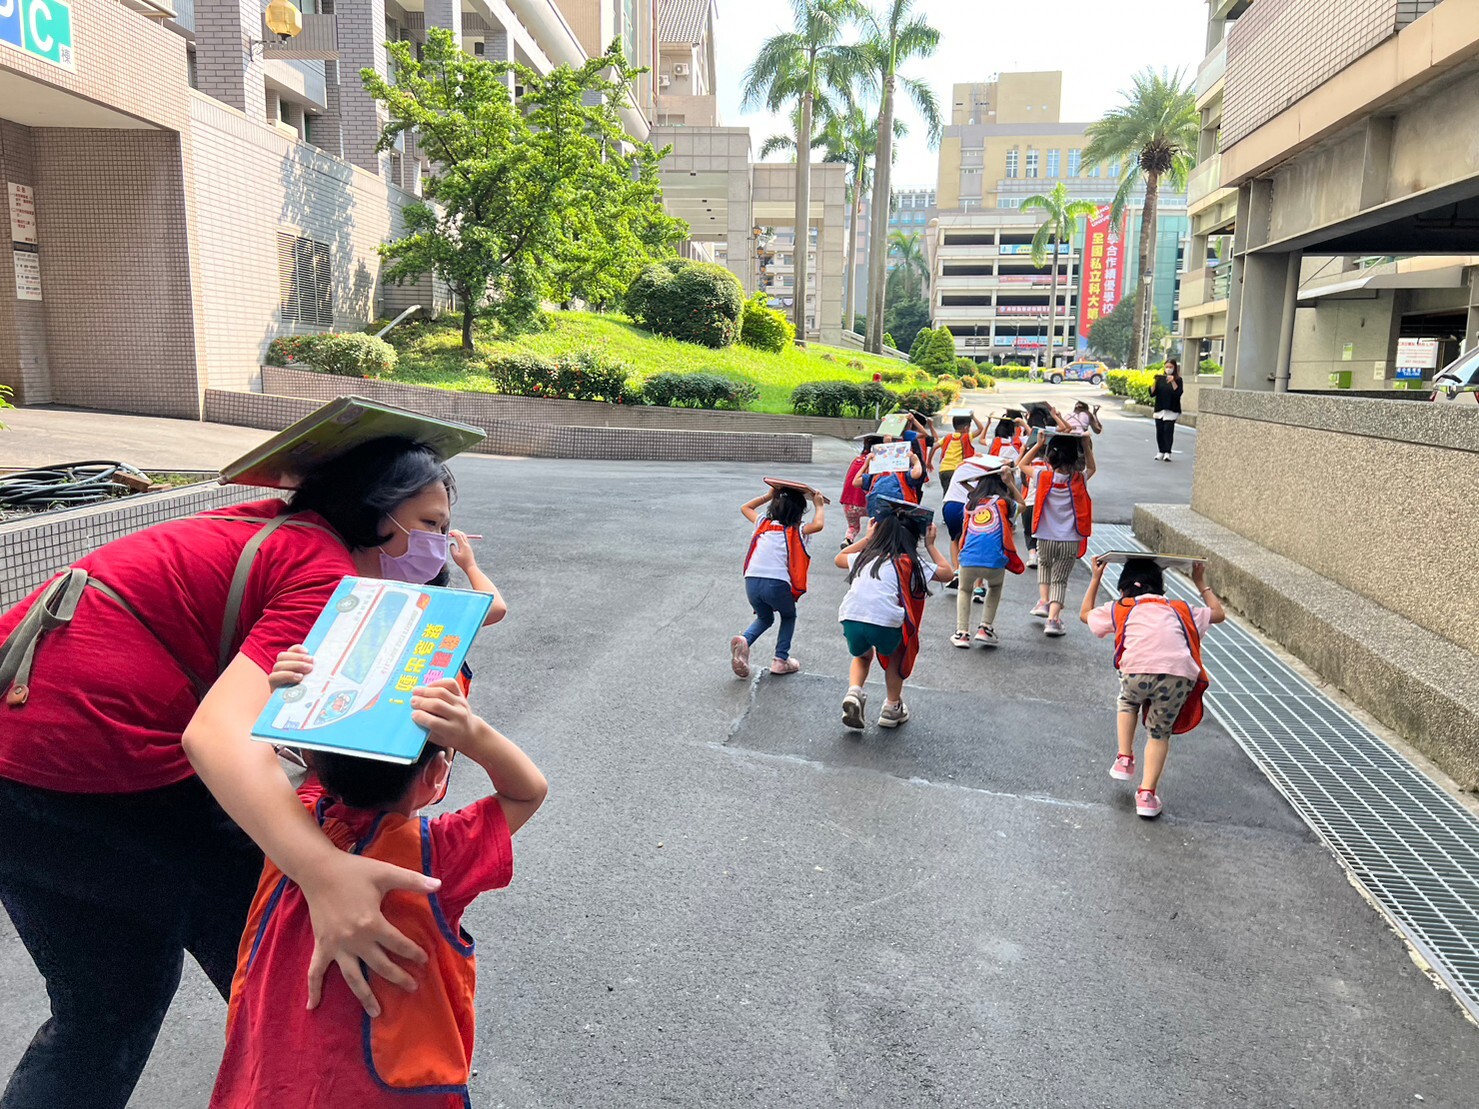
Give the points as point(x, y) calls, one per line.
point(841, 398)
point(1135, 384)
point(1208, 366)
point(340, 353)
point(695, 302)
point(928, 401)
point(583, 375)
point(765, 328)
point(698, 390)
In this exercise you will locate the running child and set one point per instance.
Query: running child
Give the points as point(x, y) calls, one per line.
point(853, 500)
point(1006, 440)
point(1084, 418)
point(417, 1047)
point(987, 553)
point(879, 487)
point(1158, 653)
point(957, 447)
point(888, 582)
point(1063, 519)
point(775, 572)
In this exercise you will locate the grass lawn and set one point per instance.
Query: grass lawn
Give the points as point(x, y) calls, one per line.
point(431, 354)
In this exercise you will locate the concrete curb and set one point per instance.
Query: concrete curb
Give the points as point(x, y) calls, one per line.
point(1424, 687)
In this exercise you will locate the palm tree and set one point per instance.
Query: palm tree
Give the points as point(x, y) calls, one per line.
point(1061, 217)
point(894, 39)
point(911, 267)
point(852, 139)
point(801, 70)
point(1154, 135)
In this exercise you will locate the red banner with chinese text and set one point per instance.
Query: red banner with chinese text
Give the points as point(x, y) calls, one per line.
point(1102, 280)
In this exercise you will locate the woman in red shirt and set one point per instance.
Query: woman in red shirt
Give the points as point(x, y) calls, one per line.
point(118, 858)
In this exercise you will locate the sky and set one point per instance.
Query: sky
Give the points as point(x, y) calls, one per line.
point(1099, 45)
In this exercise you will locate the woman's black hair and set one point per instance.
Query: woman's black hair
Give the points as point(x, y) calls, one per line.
point(786, 508)
point(1172, 364)
point(1141, 576)
point(894, 537)
point(1063, 453)
point(363, 783)
point(992, 485)
point(357, 490)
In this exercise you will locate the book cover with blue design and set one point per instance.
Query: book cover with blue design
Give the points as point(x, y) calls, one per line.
point(374, 642)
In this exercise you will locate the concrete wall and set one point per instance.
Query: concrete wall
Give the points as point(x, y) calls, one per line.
point(1321, 334)
point(1375, 495)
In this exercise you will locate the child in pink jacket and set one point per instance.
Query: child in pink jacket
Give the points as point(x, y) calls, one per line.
point(854, 501)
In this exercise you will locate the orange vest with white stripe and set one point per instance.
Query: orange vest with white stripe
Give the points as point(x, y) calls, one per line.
point(798, 561)
point(967, 448)
point(913, 606)
point(1083, 507)
point(421, 1043)
point(1191, 712)
point(1015, 442)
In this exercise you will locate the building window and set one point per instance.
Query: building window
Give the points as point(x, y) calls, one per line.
point(1052, 163)
point(1075, 162)
point(1093, 171)
point(1032, 163)
point(1114, 169)
point(305, 280)
point(1012, 162)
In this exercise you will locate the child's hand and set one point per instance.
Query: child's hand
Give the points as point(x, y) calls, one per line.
point(443, 711)
point(1199, 574)
point(462, 551)
point(929, 535)
point(1101, 563)
point(291, 667)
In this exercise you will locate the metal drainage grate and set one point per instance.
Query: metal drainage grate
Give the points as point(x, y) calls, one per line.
point(1410, 845)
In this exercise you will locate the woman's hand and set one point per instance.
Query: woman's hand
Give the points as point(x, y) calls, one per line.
point(443, 711)
point(344, 892)
point(462, 551)
point(291, 667)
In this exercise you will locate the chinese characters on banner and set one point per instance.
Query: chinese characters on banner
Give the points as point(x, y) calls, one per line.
point(1103, 270)
point(428, 652)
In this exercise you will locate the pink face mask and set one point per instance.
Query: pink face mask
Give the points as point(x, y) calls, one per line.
point(425, 557)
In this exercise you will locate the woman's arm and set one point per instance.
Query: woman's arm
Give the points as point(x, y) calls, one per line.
point(749, 507)
point(343, 891)
point(819, 521)
point(1199, 578)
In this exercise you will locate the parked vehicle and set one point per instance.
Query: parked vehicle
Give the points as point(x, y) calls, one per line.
point(1459, 380)
point(1092, 372)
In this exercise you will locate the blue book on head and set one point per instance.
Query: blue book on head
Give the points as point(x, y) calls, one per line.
point(374, 642)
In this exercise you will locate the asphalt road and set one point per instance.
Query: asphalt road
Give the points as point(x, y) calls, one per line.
point(729, 901)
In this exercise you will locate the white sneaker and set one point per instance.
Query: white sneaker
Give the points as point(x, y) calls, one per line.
point(1032, 558)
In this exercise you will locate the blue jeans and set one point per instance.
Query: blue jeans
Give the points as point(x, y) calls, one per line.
point(771, 597)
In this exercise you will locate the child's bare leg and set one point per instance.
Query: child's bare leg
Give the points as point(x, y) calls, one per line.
point(858, 673)
point(1155, 761)
point(892, 682)
point(1125, 723)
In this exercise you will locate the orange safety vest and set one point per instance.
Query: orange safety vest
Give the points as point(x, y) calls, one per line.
point(422, 1041)
point(967, 448)
point(1008, 540)
point(1015, 442)
point(1083, 507)
point(1191, 712)
point(913, 613)
point(798, 561)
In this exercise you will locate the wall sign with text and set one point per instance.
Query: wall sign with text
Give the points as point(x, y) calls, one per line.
point(41, 28)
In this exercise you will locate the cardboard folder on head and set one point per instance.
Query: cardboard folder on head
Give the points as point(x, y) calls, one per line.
point(336, 428)
point(796, 486)
point(1184, 563)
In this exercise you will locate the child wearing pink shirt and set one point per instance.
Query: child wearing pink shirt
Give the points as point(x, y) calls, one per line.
point(1159, 658)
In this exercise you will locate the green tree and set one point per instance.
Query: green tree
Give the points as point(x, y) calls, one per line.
point(905, 321)
point(1113, 334)
point(852, 139)
point(521, 202)
point(939, 356)
point(910, 276)
point(893, 39)
point(1152, 136)
point(802, 71)
point(1061, 216)
point(919, 344)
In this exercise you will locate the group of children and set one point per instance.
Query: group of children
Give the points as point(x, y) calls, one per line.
point(1031, 467)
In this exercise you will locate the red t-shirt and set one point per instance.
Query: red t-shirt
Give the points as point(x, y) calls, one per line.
point(107, 702)
point(278, 1053)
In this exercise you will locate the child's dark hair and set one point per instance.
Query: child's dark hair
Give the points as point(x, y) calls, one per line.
point(1141, 576)
point(357, 490)
point(991, 485)
point(1038, 417)
point(1063, 454)
point(894, 537)
point(961, 423)
point(1005, 428)
point(363, 783)
point(869, 442)
point(787, 507)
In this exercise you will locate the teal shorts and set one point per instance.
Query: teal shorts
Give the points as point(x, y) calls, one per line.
point(862, 638)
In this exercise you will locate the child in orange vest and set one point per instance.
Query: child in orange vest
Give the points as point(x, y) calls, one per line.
point(853, 500)
point(987, 553)
point(1063, 519)
point(775, 573)
point(955, 448)
point(1158, 653)
point(888, 582)
point(417, 1049)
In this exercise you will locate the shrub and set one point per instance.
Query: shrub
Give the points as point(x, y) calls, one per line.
point(928, 401)
point(964, 365)
point(1012, 373)
point(948, 388)
point(987, 382)
point(888, 340)
point(939, 357)
point(828, 357)
point(1135, 384)
point(694, 302)
point(842, 398)
point(1208, 366)
point(764, 328)
point(970, 381)
point(895, 377)
point(343, 354)
point(920, 345)
point(582, 375)
point(698, 390)
point(856, 364)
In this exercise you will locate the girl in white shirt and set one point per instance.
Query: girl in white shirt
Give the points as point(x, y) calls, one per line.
point(888, 582)
point(775, 572)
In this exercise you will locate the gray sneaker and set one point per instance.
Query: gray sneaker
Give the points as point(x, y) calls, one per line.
point(893, 715)
point(852, 710)
point(1054, 628)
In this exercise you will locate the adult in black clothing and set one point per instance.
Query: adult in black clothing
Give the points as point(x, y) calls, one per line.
point(1166, 392)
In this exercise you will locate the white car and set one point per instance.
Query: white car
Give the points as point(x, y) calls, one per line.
point(1459, 380)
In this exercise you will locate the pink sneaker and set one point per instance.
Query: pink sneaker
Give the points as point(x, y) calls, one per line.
point(739, 656)
point(784, 666)
point(1123, 768)
point(1147, 804)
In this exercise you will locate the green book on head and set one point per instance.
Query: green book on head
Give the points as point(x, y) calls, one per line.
point(340, 426)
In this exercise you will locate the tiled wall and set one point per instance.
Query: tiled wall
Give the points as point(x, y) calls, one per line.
point(32, 550)
point(251, 182)
point(225, 66)
point(491, 406)
point(115, 270)
point(531, 440)
point(1280, 50)
point(23, 361)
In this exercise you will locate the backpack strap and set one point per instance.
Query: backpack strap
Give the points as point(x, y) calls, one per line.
point(56, 606)
point(243, 573)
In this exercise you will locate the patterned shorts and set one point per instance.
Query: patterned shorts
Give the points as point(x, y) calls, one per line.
point(1163, 693)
